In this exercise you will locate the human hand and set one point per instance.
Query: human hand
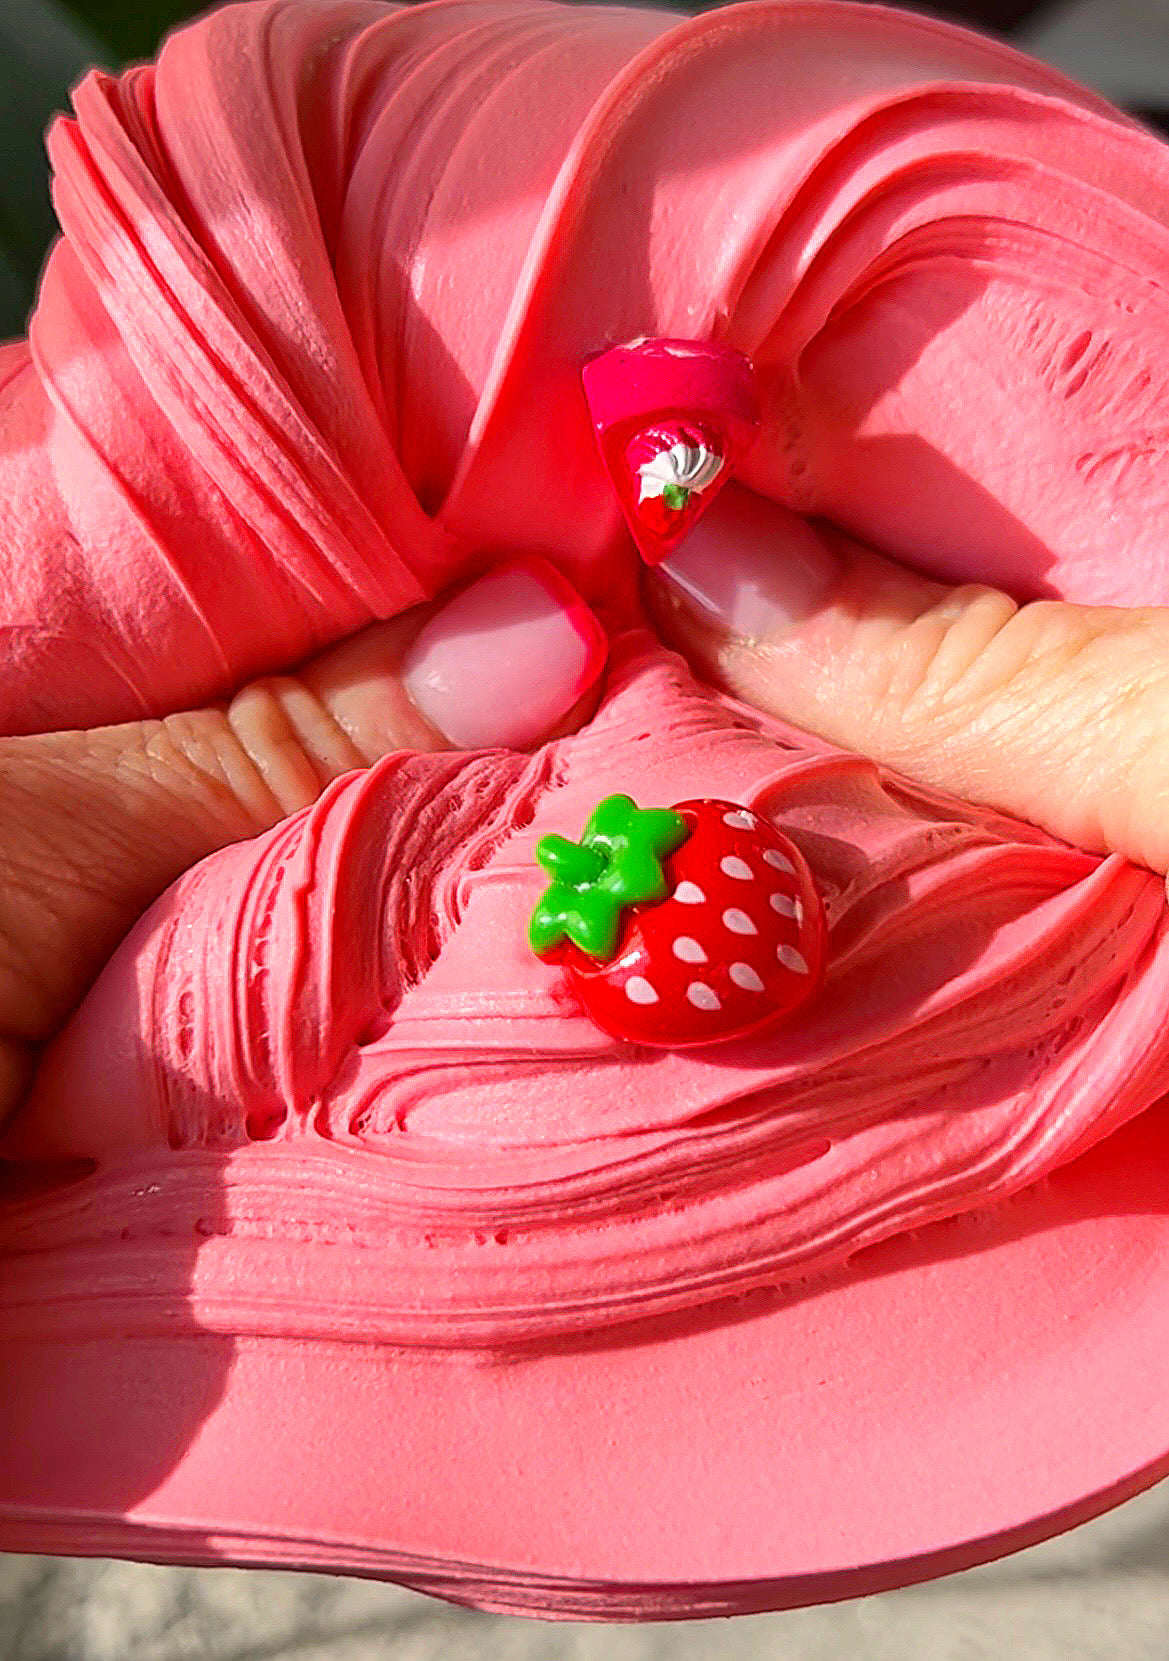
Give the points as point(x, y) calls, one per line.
point(1056, 713)
point(95, 825)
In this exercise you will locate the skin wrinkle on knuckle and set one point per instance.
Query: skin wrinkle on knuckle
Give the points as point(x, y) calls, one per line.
point(1140, 819)
point(199, 759)
point(884, 689)
point(260, 735)
point(96, 824)
point(879, 636)
point(1045, 675)
point(67, 802)
point(1051, 643)
point(1132, 803)
point(1018, 651)
point(1090, 693)
point(1046, 709)
point(937, 717)
point(291, 740)
point(326, 742)
point(1080, 719)
point(159, 772)
point(939, 653)
point(99, 821)
point(976, 616)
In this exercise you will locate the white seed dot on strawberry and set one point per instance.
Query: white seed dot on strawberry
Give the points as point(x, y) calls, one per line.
point(791, 959)
point(786, 906)
point(687, 950)
point(639, 991)
point(689, 893)
point(732, 866)
point(740, 819)
point(743, 975)
point(775, 859)
point(703, 996)
point(737, 921)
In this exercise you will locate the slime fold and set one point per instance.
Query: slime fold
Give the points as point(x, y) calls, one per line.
point(309, 349)
point(313, 336)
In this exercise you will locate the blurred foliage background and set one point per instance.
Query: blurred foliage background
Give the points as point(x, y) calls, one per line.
point(132, 28)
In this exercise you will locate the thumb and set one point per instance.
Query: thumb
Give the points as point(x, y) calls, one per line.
point(95, 825)
point(1053, 712)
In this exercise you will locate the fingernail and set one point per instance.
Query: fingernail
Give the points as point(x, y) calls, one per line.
point(506, 659)
point(752, 566)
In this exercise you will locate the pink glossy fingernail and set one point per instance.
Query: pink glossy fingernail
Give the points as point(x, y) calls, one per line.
point(752, 566)
point(504, 661)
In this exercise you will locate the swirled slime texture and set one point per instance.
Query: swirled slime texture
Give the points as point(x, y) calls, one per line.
point(359, 979)
point(310, 345)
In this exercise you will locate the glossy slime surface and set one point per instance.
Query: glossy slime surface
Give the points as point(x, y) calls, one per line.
point(312, 343)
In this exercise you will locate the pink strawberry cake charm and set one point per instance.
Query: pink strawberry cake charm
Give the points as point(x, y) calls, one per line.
point(681, 926)
point(673, 419)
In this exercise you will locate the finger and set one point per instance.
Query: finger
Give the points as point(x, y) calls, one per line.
point(94, 825)
point(1054, 712)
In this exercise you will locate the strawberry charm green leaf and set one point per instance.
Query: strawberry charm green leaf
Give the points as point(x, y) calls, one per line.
point(616, 864)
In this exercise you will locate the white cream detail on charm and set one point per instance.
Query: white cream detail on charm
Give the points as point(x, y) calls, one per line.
point(687, 467)
point(791, 959)
point(743, 975)
point(639, 991)
point(687, 950)
point(689, 893)
point(703, 996)
point(732, 866)
point(737, 921)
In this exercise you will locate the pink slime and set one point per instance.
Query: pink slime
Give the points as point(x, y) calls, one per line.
point(309, 347)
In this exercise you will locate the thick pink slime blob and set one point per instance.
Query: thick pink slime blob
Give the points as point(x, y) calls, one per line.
point(309, 348)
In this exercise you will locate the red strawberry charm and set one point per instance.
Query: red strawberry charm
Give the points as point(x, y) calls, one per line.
point(680, 926)
point(673, 419)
